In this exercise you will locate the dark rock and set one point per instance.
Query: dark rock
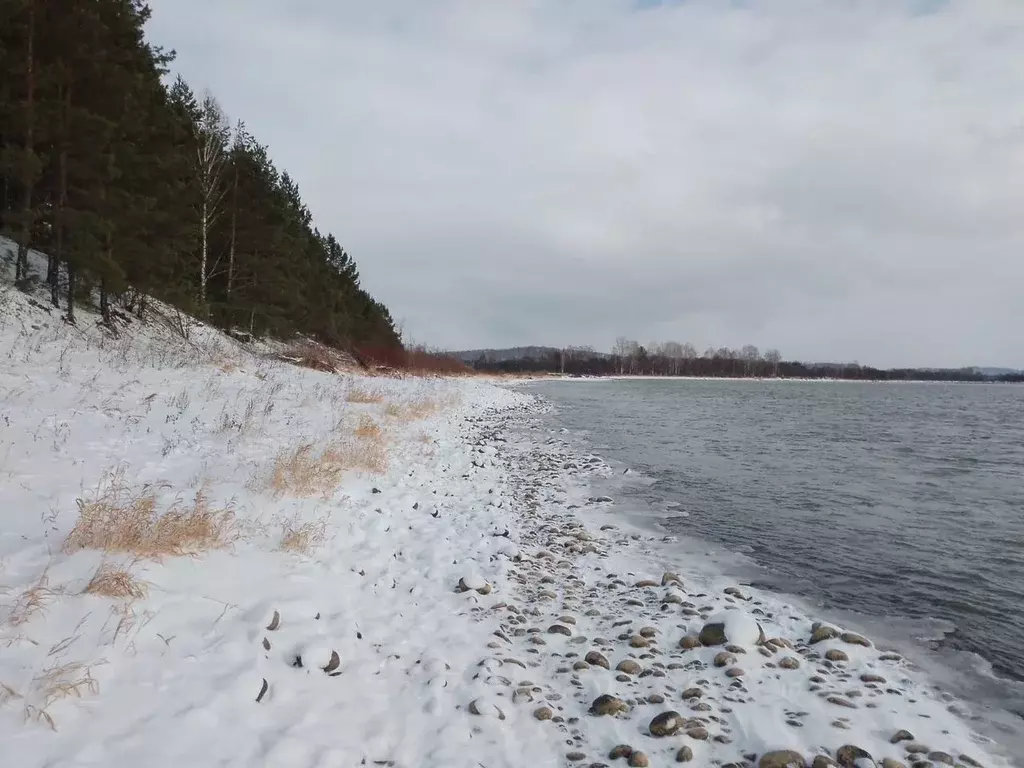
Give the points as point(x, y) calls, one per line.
point(597, 660)
point(622, 750)
point(684, 755)
point(854, 639)
point(901, 736)
point(849, 754)
point(606, 704)
point(785, 758)
point(823, 632)
point(712, 634)
point(690, 641)
point(665, 724)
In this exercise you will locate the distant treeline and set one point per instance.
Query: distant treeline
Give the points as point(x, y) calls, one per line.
point(673, 359)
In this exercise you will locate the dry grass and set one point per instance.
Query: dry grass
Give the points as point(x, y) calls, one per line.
point(33, 600)
point(303, 538)
point(117, 582)
point(56, 682)
point(358, 395)
point(414, 410)
point(119, 519)
point(305, 472)
point(311, 354)
point(368, 429)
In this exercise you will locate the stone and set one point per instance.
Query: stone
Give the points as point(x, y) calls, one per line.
point(848, 755)
point(580, 666)
point(941, 757)
point(789, 662)
point(629, 666)
point(692, 693)
point(724, 659)
point(597, 659)
point(484, 708)
point(869, 678)
point(558, 629)
point(854, 639)
point(713, 634)
point(646, 583)
point(684, 755)
point(638, 760)
point(970, 761)
point(834, 654)
point(783, 758)
point(737, 649)
point(823, 632)
point(543, 713)
point(655, 698)
point(567, 620)
point(915, 747)
point(606, 704)
point(901, 736)
point(888, 762)
point(636, 641)
point(622, 750)
point(734, 672)
point(690, 641)
point(699, 732)
point(671, 578)
point(665, 724)
point(648, 632)
point(839, 701)
point(823, 761)
point(575, 757)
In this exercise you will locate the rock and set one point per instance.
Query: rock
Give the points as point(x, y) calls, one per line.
point(558, 629)
point(915, 747)
point(823, 632)
point(580, 666)
point(636, 641)
point(841, 702)
point(622, 750)
point(784, 758)
point(671, 578)
point(474, 584)
point(888, 762)
point(690, 641)
point(575, 757)
point(648, 632)
point(789, 662)
point(854, 639)
point(941, 757)
point(567, 620)
point(970, 761)
point(848, 755)
point(901, 736)
point(484, 708)
point(737, 649)
point(734, 672)
point(735, 592)
point(665, 724)
point(698, 732)
point(597, 659)
point(646, 583)
point(834, 654)
point(684, 755)
point(606, 704)
point(655, 698)
point(638, 760)
point(823, 761)
point(692, 693)
point(629, 666)
point(543, 713)
point(724, 659)
point(869, 678)
point(712, 634)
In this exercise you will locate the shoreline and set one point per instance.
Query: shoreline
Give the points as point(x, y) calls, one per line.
point(858, 700)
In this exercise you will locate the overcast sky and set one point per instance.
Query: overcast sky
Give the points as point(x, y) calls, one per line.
point(841, 179)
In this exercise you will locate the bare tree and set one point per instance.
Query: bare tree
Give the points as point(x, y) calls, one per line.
point(749, 355)
point(212, 134)
point(773, 357)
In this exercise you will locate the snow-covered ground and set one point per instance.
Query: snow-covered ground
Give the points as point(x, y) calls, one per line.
point(213, 558)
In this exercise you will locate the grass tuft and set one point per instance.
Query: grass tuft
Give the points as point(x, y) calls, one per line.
point(32, 601)
point(119, 519)
point(359, 395)
point(304, 538)
point(116, 582)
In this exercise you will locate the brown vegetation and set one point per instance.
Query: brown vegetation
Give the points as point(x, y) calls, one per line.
point(304, 538)
point(117, 582)
point(119, 519)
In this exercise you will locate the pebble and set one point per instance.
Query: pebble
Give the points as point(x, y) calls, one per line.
point(622, 750)
point(854, 639)
point(712, 634)
point(824, 632)
point(638, 641)
point(639, 760)
point(606, 704)
point(869, 678)
point(847, 756)
point(648, 632)
point(629, 666)
point(834, 654)
point(597, 659)
point(901, 736)
point(888, 762)
point(665, 724)
point(543, 713)
point(575, 757)
point(724, 659)
point(789, 662)
point(784, 758)
point(692, 693)
point(823, 761)
point(558, 629)
point(684, 755)
point(690, 641)
point(669, 578)
point(700, 733)
point(941, 757)
point(841, 702)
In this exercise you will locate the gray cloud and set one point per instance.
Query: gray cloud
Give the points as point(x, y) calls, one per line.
point(841, 180)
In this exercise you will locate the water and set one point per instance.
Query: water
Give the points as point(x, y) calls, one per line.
point(901, 503)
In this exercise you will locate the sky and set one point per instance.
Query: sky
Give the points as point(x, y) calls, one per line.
point(839, 179)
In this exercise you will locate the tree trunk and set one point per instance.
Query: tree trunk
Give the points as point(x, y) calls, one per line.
point(71, 293)
point(53, 265)
point(202, 263)
point(21, 266)
point(104, 301)
point(234, 229)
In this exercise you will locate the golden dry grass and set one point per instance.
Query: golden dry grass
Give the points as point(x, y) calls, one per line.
point(303, 471)
point(33, 600)
point(368, 429)
point(415, 410)
point(120, 519)
point(117, 582)
point(359, 395)
point(303, 538)
point(56, 682)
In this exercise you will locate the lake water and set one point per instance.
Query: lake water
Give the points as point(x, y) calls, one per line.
point(899, 504)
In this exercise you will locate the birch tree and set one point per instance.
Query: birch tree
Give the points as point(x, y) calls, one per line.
point(212, 134)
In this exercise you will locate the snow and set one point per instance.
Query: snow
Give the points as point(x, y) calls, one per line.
point(476, 489)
